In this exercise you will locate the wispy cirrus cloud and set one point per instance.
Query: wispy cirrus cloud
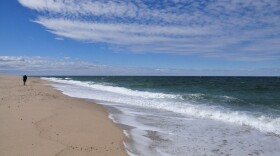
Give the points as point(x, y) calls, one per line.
point(233, 29)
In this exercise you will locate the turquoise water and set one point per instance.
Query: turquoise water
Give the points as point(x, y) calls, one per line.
point(201, 115)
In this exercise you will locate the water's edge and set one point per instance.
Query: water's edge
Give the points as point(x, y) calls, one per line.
point(106, 108)
point(154, 131)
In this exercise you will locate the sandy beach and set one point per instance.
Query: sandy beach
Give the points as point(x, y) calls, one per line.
point(39, 120)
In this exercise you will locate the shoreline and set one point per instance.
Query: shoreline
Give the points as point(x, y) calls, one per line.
point(157, 121)
point(37, 119)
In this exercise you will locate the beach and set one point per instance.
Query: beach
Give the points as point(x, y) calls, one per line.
point(36, 119)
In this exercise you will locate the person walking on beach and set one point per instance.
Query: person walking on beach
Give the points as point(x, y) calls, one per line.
point(24, 79)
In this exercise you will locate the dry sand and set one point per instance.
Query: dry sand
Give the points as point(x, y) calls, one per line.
point(39, 120)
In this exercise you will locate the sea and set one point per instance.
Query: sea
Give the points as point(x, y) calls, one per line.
point(187, 116)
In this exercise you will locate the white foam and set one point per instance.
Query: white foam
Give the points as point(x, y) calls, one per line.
point(127, 151)
point(126, 133)
point(114, 89)
point(167, 102)
point(110, 116)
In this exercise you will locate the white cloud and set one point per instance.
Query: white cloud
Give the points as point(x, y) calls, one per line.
point(82, 7)
point(11, 59)
point(59, 38)
point(67, 66)
point(43, 63)
point(234, 29)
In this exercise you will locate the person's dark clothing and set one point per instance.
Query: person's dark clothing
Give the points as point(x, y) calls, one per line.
point(24, 79)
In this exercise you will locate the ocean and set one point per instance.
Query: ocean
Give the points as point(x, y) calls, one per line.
point(187, 115)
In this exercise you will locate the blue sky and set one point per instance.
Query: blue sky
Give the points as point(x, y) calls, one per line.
point(140, 37)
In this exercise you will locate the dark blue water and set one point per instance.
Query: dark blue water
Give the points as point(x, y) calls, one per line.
point(247, 91)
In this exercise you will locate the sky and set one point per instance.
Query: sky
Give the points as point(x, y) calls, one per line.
point(140, 37)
